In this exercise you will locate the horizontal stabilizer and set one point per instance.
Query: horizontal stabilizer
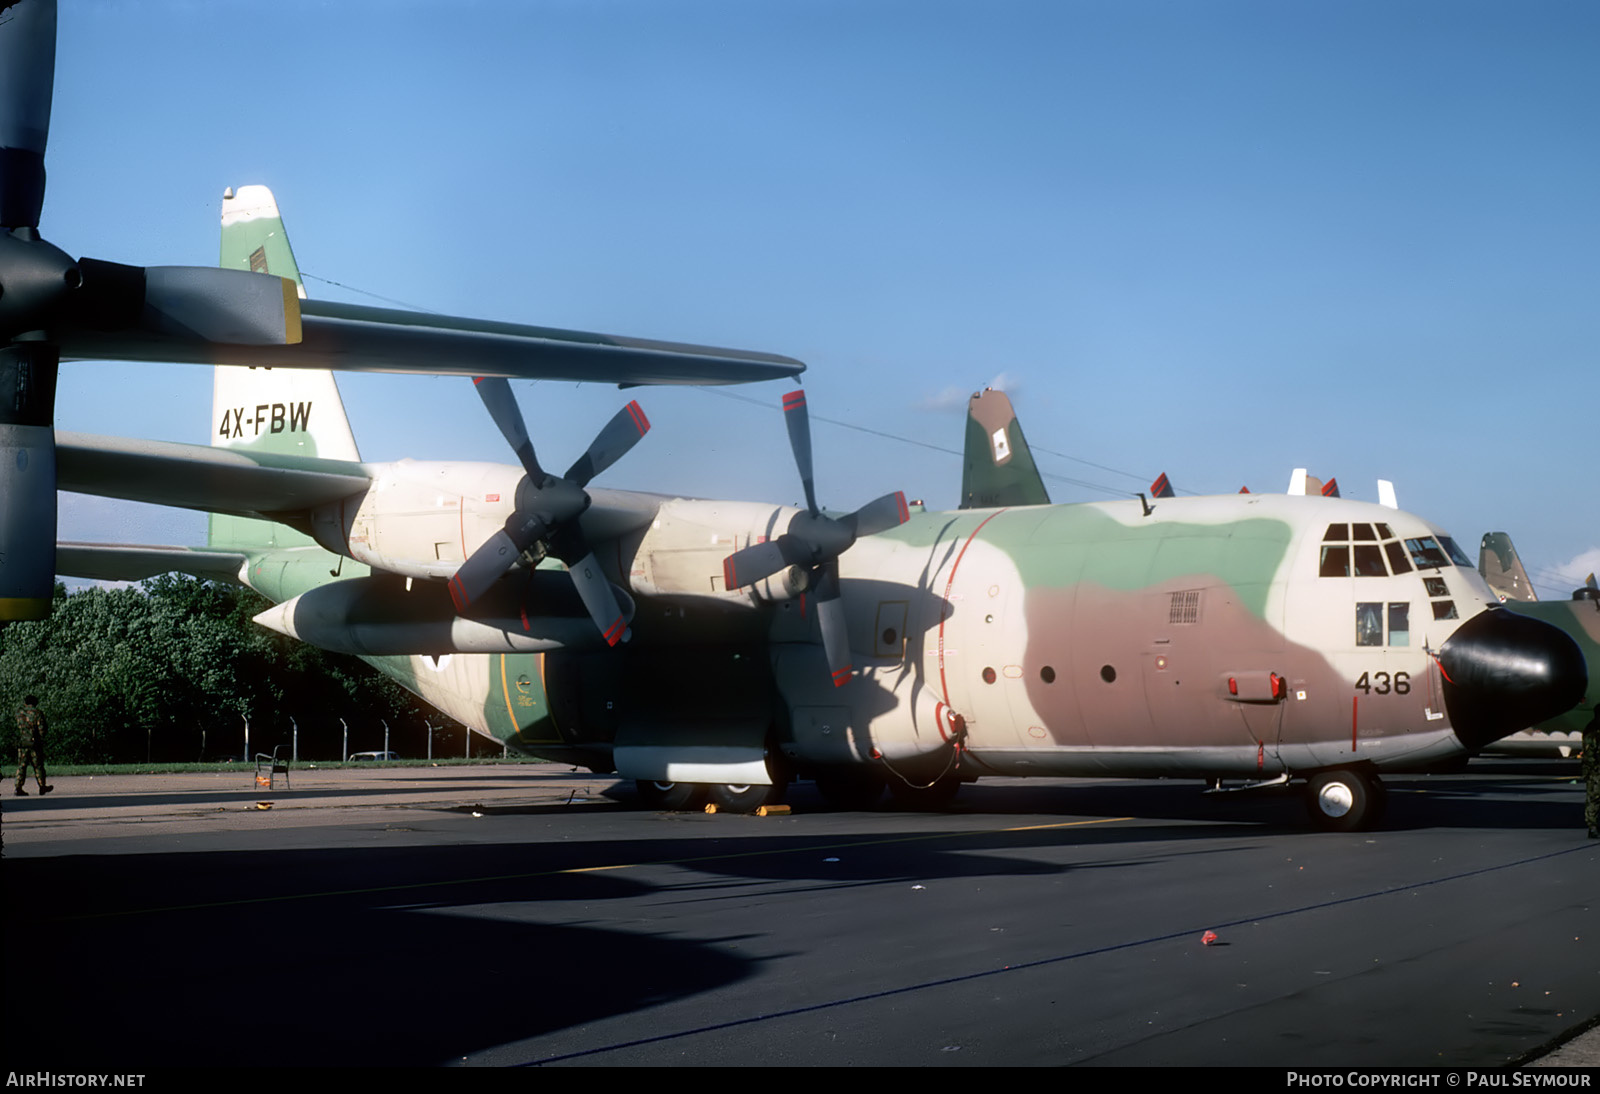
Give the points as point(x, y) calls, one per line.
point(134, 562)
point(215, 480)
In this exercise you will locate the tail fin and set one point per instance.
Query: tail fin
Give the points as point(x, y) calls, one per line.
point(295, 411)
point(997, 468)
point(1502, 569)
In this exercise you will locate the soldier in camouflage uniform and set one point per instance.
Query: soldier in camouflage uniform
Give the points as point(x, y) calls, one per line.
point(30, 744)
point(1591, 775)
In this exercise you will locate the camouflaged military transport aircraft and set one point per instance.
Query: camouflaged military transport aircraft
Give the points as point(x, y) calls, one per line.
point(722, 648)
point(55, 308)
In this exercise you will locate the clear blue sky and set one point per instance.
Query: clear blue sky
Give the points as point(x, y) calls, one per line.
point(1219, 239)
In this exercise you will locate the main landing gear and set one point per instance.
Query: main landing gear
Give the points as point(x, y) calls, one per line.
point(728, 797)
point(1345, 800)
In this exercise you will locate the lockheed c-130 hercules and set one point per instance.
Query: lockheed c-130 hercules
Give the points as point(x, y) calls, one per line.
point(1253, 637)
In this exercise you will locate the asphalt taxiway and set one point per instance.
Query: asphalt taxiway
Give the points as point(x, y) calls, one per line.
point(529, 915)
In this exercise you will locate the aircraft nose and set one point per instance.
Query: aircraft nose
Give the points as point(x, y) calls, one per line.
point(1504, 672)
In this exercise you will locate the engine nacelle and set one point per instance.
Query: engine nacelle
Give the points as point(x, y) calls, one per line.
point(378, 616)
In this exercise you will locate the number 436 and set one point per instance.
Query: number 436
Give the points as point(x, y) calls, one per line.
point(1380, 683)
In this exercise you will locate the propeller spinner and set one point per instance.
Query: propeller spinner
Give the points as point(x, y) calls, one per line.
point(546, 511)
point(815, 541)
point(47, 300)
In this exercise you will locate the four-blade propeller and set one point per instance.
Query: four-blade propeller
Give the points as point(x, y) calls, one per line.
point(815, 541)
point(546, 510)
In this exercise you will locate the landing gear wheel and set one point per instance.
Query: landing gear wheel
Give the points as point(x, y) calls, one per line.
point(850, 788)
point(670, 797)
point(1344, 801)
point(745, 798)
point(926, 799)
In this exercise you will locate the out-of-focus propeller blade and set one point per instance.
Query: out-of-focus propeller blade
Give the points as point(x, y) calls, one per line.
point(502, 406)
point(621, 433)
point(831, 620)
point(598, 596)
point(798, 419)
point(27, 85)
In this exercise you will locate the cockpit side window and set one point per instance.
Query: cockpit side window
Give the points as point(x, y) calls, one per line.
point(1455, 553)
point(1426, 554)
point(1335, 562)
point(1398, 561)
point(1400, 624)
point(1369, 624)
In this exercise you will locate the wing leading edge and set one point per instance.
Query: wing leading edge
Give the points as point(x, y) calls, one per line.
point(355, 338)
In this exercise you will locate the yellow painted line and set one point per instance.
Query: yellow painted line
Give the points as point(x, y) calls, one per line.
point(505, 690)
point(589, 869)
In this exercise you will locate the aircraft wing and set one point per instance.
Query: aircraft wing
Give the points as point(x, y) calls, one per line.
point(135, 562)
point(191, 476)
point(362, 339)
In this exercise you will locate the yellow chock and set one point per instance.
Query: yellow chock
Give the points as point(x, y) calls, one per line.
point(264, 780)
point(772, 811)
point(711, 807)
point(263, 805)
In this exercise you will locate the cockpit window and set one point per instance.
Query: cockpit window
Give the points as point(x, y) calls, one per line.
point(1426, 554)
point(1456, 555)
point(1362, 532)
point(1398, 561)
point(1336, 532)
point(1369, 624)
point(1335, 562)
point(1369, 560)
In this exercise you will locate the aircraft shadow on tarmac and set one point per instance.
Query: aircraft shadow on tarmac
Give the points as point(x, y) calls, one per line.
point(419, 955)
point(363, 956)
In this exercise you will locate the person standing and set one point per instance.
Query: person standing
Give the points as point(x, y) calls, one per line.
point(30, 744)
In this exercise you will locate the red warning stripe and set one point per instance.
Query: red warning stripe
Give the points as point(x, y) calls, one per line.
point(794, 400)
point(640, 422)
point(613, 633)
point(458, 593)
point(841, 677)
point(728, 580)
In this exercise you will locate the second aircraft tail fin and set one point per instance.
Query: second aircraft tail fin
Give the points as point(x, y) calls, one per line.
point(996, 466)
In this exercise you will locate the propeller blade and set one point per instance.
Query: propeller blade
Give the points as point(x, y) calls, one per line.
point(502, 406)
point(480, 571)
point(750, 564)
point(621, 433)
point(216, 305)
point(835, 633)
point(27, 480)
point(598, 596)
point(881, 515)
point(798, 420)
point(27, 84)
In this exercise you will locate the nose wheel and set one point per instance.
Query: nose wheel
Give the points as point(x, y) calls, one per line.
point(1345, 800)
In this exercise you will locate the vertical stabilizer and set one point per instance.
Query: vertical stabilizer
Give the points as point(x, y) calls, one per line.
point(997, 468)
point(1502, 569)
point(285, 410)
